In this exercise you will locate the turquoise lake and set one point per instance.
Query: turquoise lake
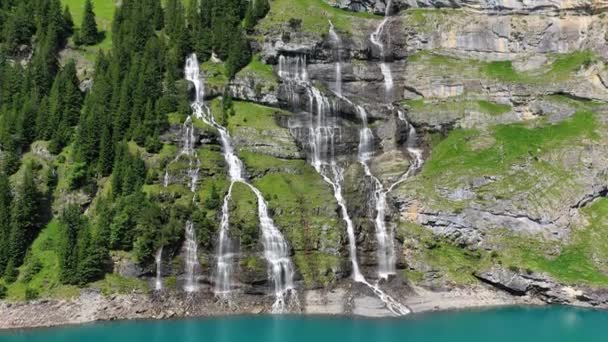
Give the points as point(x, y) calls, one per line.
point(518, 324)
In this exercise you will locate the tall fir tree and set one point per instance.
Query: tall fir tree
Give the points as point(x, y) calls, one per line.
point(71, 224)
point(5, 220)
point(25, 213)
point(89, 35)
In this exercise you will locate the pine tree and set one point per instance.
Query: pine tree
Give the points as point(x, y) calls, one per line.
point(89, 35)
point(24, 217)
point(5, 220)
point(71, 224)
point(68, 21)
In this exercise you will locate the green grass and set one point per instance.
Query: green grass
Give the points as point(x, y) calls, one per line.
point(574, 262)
point(248, 115)
point(314, 14)
point(578, 261)
point(215, 74)
point(43, 257)
point(458, 105)
point(303, 208)
point(244, 221)
point(512, 143)
point(468, 154)
point(259, 69)
point(561, 68)
point(114, 283)
point(457, 264)
point(317, 268)
point(104, 13)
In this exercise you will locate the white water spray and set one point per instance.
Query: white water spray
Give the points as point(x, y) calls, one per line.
point(192, 265)
point(158, 285)
point(376, 39)
point(321, 139)
point(188, 150)
point(276, 250)
point(337, 43)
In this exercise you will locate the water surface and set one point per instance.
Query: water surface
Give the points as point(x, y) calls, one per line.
point(517, 324)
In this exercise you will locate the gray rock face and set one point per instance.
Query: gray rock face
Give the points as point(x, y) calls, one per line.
point(525, 6)
point(542, 287)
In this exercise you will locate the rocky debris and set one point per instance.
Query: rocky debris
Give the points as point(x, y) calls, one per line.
point(321, 302)
point(542, 287)
point(253, 88)
point(124, 266)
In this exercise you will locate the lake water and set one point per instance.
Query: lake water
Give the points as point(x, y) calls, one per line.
point(517, 324)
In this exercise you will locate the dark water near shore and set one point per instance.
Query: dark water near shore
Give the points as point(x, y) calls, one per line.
point(517, 324)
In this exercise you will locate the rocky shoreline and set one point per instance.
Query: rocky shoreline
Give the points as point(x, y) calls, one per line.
point(347, 299)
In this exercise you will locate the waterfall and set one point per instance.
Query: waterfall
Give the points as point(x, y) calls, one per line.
point(276, 250)
point(321, 141)
point(158, 285)
point(192, 265)
point(166, 178)
point(385, 237)
point(376, 39)
point(188, 150)
point(337, 43)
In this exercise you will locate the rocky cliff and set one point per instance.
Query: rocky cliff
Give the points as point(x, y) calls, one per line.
point(484, 124)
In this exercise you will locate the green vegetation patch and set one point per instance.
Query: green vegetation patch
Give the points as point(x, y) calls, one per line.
point(455, 263)
point(580, 261)
point(114, 283)
point(317, 268)
point(459, 106)
point(310, 16)
point(244, 221)
point(215, 74)
point(258, 69)
point(467, 154)
point(104, 13)
point(302, 206)
point(511, 143)
point(560, 69)
point(40, 272)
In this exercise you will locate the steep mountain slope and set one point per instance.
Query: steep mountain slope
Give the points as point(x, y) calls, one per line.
point(462, 141)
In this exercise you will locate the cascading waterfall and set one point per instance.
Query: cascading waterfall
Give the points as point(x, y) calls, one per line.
point(321, 140)
point(190, 243)
point(276, 250)
point(158, 259)
point(337, 42)
point(188, 142)
point(192, 265)
point(385, 237)
point(223, 284)
point(376, 39)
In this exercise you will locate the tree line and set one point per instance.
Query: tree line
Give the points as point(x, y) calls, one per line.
point(135, 85)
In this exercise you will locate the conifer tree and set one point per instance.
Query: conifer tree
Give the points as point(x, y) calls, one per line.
point(68, 21)
point(71, 224)
point(5, 220)
point(89, 35)
point(25, 211)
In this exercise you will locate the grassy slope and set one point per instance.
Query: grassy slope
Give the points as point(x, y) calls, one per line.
point(459, 105)
point(314, 14)
point(580, 261)
point(467, 154)
point(104, 13)
point(559, 68)
point(42, 257)
point(297, 198)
